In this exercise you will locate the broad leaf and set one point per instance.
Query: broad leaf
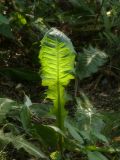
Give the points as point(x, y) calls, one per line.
point(40, 109)
point(96, 156)
point(3, 20)
point(20, 74)
point(73, 132)
point(5, 106)
point(20, 142)
point(89, 62)
point(25, 117)
point(100, 136)
point(47, 134)
point(57, 60)
point(5, 29)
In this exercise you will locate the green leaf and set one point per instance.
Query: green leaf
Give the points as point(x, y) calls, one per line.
point(5, 30)
point(40, 109)
point(100, 136)
point(25, 117)
point(85, 134)
point(89, 62)
point(21, 19)
point(5, 106)
point(73, 132)
point(96, 156)
point(81, 4)
point(57, 58)
point(56, 129)
point(20, 74)
point(45, 134)
point(27, 101)
point(19, 142)
point(3, 20)
point(55, 156)
point(20, 4)
point(57, 65)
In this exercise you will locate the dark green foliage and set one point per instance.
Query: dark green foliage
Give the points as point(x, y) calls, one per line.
point(20, 74)
point(96, 156)
point(57, 57)
point(14, 135)
point(5, 28)
point(89, 62)
point(19, 142)
point(5, 106)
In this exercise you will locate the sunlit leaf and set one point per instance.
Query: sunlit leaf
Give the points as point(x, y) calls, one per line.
point(57, 65)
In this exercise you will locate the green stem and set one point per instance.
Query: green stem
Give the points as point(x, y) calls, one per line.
point(59, 119)
point(59, 108)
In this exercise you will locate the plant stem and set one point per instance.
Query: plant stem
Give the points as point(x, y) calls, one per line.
point(59, 118)
point(59, 108)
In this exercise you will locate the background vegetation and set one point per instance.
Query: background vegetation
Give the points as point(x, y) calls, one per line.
point(27, 126)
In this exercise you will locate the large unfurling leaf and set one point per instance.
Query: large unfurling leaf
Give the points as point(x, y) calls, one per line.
point(57, 65)
point(89, 62)
point(57, 58)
